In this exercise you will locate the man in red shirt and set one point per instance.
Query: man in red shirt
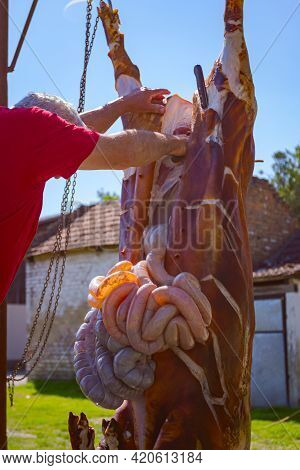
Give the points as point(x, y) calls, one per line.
point(38, 144)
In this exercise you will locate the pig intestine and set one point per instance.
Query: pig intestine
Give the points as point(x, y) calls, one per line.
point(107, 372)
point(137, 319)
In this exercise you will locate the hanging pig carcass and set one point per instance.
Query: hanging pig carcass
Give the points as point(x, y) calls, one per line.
point(169, 340)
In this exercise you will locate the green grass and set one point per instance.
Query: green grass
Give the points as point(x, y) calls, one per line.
point(280, 431)
point(39, 418)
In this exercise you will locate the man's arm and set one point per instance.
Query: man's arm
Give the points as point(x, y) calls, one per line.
point(140, 101)
point(101, 119)
point(132, 148)
point(58, 148)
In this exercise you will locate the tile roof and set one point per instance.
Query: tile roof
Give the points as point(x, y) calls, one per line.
point(285, 263)
point(277, 273)
point(92, 227)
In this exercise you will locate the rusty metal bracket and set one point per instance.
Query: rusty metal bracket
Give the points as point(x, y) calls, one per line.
point(12, 66)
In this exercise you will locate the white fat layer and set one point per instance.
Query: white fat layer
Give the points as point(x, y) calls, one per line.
point(216, 135)
point(226, 294)
point(129, 172)
point(231, 63)
point(228, 172)
point(126, 85)
point(178, 113)
point(216, 99)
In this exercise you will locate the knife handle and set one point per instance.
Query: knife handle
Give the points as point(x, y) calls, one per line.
point(201, 86)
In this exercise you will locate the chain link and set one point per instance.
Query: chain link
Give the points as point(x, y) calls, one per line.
point(58, 256)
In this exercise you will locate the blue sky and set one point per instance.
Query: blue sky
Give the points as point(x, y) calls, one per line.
point(166, 39)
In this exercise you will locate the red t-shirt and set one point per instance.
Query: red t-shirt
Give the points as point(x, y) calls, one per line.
point(35, 145)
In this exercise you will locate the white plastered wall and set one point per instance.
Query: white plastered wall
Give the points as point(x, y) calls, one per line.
point(16, 331)
point(293, 345)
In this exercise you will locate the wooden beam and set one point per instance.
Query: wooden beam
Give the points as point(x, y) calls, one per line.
point(4, 4)
point(3, 373)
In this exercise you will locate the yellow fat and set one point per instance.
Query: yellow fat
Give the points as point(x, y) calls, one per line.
point(113, 281)
point(121, 266)
point(94, 285)
point(93, 302)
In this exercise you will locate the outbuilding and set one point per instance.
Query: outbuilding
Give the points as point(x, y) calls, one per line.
point(93, 249)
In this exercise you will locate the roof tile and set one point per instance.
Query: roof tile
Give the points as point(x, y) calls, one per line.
point(91, 226)
point(285, 263)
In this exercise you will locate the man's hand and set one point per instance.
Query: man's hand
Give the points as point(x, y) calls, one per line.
point(141, 100)
point(145, 100)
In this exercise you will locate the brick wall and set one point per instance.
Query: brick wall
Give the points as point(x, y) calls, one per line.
point(269, 219)
point(81, 267)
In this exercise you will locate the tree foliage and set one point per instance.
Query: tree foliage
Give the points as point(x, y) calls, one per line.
point(286, 177)
point(107, 196)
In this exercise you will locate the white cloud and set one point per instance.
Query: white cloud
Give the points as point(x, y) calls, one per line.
point(71, 3)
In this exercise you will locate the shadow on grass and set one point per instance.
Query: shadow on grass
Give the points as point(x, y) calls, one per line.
point(70, 389)
point(62, 388)
point(283, 414)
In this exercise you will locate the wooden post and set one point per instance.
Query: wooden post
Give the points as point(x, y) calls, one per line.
point(3, 373)
point(3, 308)
point(3, 51)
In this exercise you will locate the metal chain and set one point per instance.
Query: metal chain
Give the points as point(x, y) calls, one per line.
point(88, 49)
point(58, 256)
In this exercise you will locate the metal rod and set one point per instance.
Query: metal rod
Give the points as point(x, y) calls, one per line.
point(4, 4)
point(12, 66)
point(201, 86)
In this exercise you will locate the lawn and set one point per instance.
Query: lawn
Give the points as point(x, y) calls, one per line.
point(39, 417)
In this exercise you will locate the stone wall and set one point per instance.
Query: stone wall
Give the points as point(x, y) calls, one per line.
point(269, 218)
point(82, 266)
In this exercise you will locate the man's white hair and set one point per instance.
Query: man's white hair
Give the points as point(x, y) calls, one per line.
point(54, 104)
